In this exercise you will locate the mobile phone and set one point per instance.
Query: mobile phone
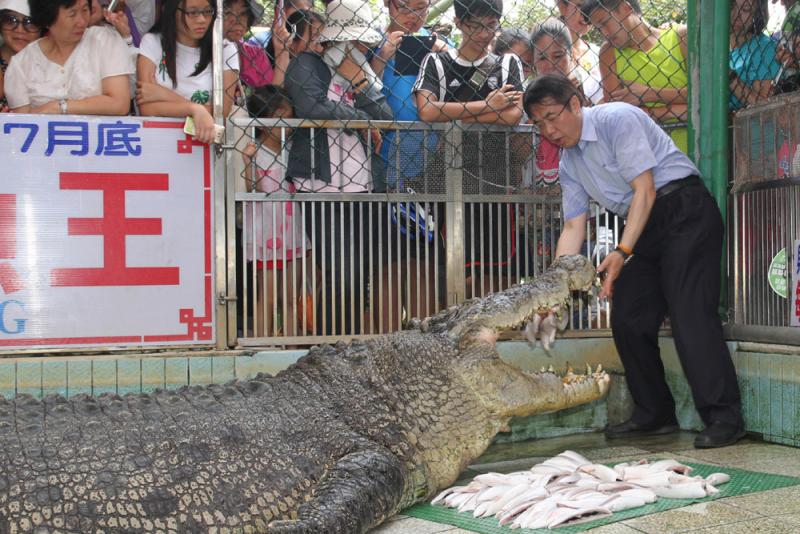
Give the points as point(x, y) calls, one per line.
point(113, 5)
point(412, 50)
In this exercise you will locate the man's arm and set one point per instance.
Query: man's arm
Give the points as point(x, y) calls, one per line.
point(430, 109)
point(644, 196)
point(510, 116)
point(572, 236)
point(672, 111)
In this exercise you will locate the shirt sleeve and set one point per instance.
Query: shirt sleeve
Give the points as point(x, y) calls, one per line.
point(14, 83)
point(429, 78)
point(574, 198)
point(629, 141)
point(114, 56)
point(230, 56)
point(150, 47)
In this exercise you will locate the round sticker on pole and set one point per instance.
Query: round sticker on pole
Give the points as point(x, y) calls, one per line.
point(777, 273)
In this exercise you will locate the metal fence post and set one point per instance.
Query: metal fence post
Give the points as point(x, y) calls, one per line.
point(709, 104)
point(223, 204)
point(454, 215)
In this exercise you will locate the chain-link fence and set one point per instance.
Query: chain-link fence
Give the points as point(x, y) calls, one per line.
point(380, 163)
point(763, 202)
point(764, 226)
point(762, 57)
point(383, 163)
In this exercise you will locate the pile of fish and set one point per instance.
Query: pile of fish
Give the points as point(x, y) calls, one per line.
point(568, 488)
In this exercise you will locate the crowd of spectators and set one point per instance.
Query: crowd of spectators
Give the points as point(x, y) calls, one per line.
point(335, 62)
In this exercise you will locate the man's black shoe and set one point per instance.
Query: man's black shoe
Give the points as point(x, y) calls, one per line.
point(629, 429)
point(718, 434)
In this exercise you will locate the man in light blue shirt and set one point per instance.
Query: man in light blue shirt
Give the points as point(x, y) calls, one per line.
point(667, 260)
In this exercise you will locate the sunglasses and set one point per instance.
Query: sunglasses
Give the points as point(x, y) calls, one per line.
point(11, 22)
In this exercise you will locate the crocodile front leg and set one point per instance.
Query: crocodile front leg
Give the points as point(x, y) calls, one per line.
point(360, 491)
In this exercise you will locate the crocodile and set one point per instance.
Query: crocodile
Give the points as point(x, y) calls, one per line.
point(346, 437)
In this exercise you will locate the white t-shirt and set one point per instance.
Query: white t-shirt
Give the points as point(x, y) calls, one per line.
point(32, 79)
point(195, 88)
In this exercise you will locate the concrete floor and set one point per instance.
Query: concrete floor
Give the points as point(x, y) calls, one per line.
point(775, 511)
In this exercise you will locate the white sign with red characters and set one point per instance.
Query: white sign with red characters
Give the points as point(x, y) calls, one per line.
point(105, 233)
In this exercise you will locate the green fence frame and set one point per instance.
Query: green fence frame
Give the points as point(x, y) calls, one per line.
point(709, 49)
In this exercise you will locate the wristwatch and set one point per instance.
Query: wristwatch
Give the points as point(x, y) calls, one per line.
point(62, 105)
point(626, 257)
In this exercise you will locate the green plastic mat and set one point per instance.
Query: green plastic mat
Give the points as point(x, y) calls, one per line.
point(742, 482)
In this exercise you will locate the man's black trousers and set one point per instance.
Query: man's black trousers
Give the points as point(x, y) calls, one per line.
point(675, 270)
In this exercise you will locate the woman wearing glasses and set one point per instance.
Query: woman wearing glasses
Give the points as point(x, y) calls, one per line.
point(174, 66)
point(18, 31)
point(73, 69)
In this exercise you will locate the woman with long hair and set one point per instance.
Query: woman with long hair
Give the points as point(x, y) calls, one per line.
point(174, 66)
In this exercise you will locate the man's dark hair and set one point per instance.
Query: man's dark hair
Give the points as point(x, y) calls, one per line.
point(589, 6)
point(266, 100)
point(45, 12)
point(508, 38)
point(470, 9)
point(550, 86)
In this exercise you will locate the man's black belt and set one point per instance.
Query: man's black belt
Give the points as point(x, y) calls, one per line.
point(674, 185)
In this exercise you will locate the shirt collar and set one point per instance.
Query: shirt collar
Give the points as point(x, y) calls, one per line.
point(588, 131)
point(463, 62)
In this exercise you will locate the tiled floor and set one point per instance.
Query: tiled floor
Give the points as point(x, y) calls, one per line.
point(769, 512)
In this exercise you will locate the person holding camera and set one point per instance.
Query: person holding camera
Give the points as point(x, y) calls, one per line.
point(397, 61)
point(338, 84)
point(471, 84)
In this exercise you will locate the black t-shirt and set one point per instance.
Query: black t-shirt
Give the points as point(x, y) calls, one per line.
point(490, 229)
point(449, 78)
point(452, 79)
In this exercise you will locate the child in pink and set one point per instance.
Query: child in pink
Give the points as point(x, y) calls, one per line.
point(273, 230)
